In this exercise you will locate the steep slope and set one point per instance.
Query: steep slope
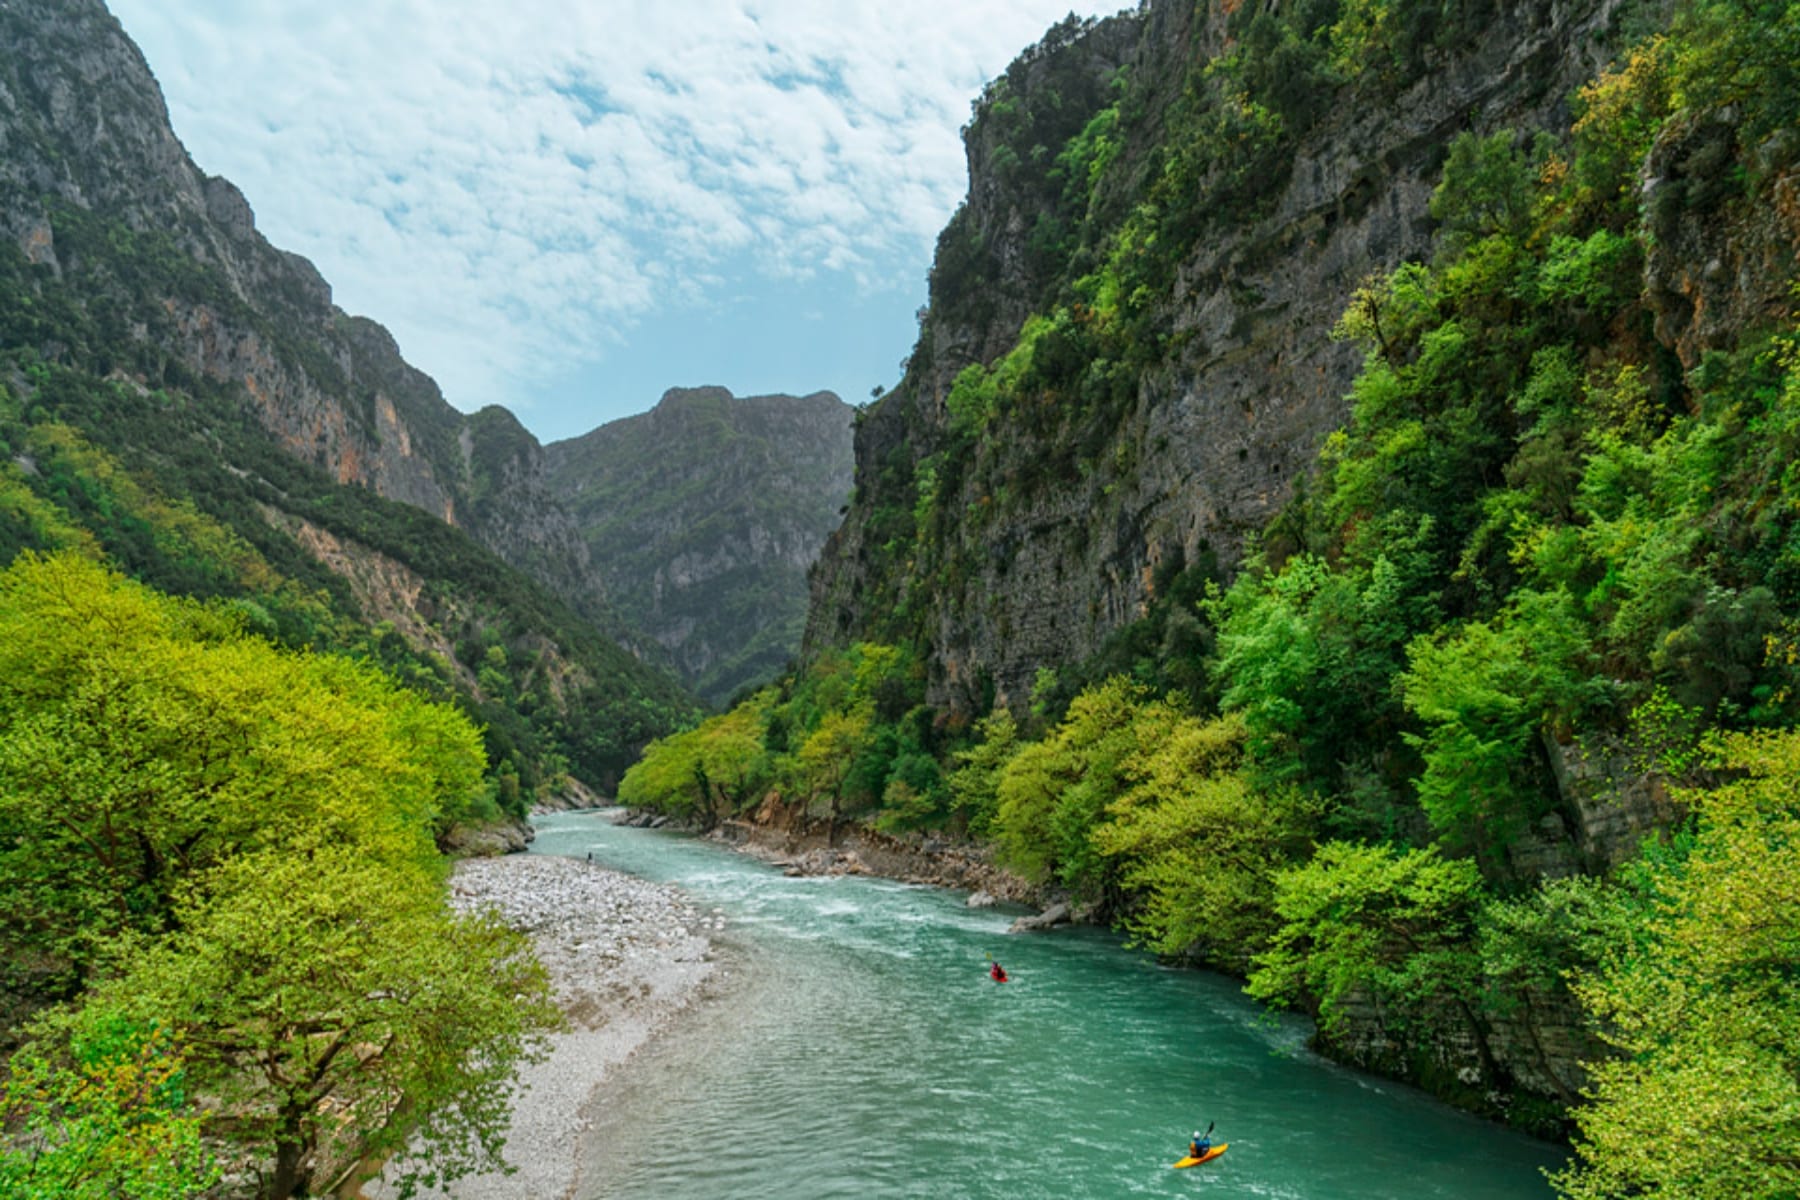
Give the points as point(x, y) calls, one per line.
point(87, 145)
point(707, 512)
point(1187, 234)
point(185, 397)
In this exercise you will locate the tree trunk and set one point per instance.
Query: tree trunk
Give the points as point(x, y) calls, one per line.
point(293, 1174)
point(1496, 1075)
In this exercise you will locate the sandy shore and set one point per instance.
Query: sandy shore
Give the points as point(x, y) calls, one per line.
point(624, 955)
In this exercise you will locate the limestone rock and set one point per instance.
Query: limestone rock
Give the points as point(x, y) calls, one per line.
point(707, 511)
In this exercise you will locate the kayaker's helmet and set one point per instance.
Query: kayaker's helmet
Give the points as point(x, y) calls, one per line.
point(1196, 1135)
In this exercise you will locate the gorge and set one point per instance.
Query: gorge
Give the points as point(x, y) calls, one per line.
point(1336, 526)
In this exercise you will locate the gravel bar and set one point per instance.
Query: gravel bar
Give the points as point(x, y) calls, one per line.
point(624, 956)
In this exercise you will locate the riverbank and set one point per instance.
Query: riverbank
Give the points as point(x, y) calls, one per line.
point(625, 957)
point(808, 846)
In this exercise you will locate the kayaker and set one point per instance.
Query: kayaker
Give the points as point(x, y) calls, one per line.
point(996, 972)
point(1201, 1144)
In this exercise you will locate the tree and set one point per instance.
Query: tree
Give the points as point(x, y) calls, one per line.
point(1704, 1098)
point(1053, 794)
point(317, 994)
point(701, 774)
point(827, 756)
point(1201, 844)
point(1371, 922)
point(207, 838)
point(974, 784)
point(144, 740)
point(1483, 693)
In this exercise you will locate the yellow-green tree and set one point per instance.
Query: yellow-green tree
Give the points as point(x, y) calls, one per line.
point(1201, 845)
point(706, 773)
point(315, 993)
point(1053, 794)
point(205, 837)
point(826, 756)
point(145, 739)
point(1703, 1101)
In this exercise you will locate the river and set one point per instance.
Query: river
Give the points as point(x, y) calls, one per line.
point(859, 1049)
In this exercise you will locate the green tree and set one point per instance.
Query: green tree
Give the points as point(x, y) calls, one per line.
point(975, 783)
point(144, 740)
point(826, 757)
point(704, 774)
point(317, 993)
point(1483, 694)
point(1201, 844)
point(1389, 927)
point(1053, 794)
point(1703, 1099)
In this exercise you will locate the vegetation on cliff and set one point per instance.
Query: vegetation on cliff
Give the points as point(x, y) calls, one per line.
point(1546, 531)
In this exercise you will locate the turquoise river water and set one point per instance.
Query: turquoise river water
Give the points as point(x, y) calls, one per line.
point(856, 1048)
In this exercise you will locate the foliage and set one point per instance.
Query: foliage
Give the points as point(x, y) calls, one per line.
point(975, 783)
point(299, 981)
point(1202, 845)
point(1482, 695)
point(1054, 792)
point(707, 773)
point(145, 739)
point(1704, 1098)
point(225, 849)
point(113, 1121)
point(1308, 655)
point(841, 736)
point(1373, 924)
point(169, 475)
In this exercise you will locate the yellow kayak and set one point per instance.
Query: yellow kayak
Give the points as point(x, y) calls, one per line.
point(1214, 1152)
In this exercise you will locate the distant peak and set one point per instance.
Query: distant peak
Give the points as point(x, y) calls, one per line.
point(678, 397)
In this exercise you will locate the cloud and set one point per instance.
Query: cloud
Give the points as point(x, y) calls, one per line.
point(510, 187)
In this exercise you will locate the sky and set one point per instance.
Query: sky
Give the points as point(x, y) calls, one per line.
point(567, 208)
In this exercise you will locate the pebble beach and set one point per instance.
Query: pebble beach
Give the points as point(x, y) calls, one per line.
point(625, 957)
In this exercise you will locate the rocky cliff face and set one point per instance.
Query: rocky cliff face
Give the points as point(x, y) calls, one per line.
point(1049, 550)
point(85, 141)
point(708, 510)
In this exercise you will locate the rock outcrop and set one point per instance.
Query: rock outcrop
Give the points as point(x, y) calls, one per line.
point(85, 143)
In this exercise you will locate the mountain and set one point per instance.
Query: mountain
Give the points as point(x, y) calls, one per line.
point(707, 511)
point(1058, 524)
point(180, 395)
